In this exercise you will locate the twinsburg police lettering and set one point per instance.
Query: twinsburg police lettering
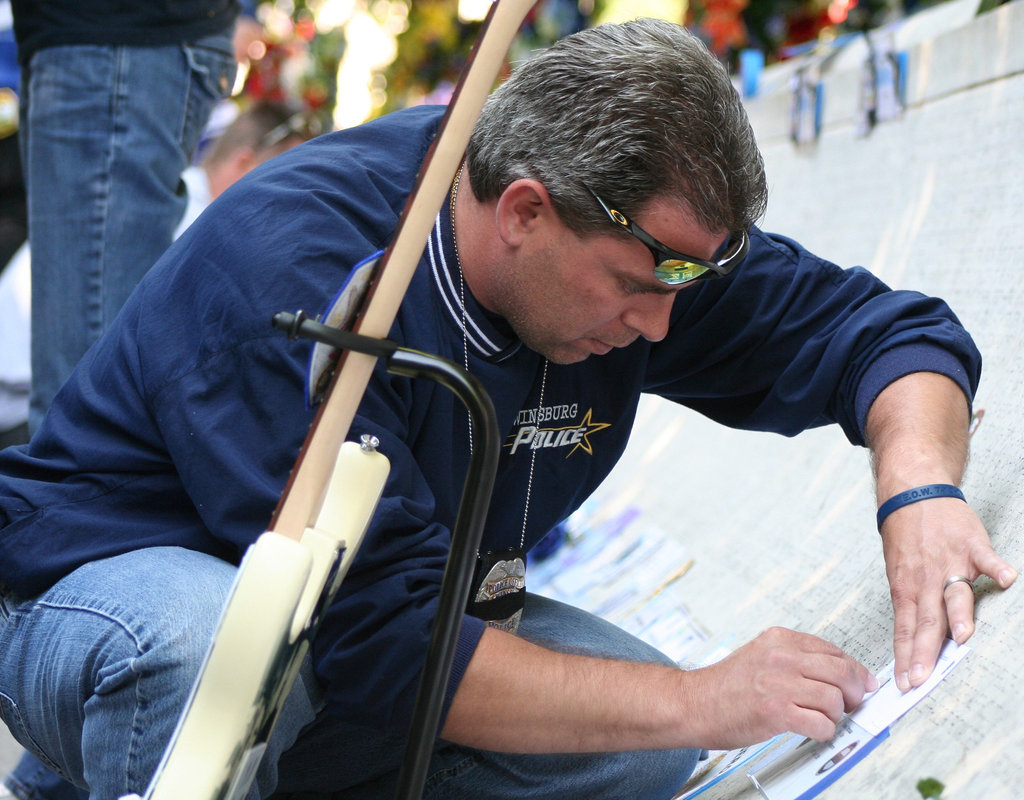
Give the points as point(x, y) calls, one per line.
point(534, 416)
point(574, 432)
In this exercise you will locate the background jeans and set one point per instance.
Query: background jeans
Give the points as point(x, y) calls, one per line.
point(106, 133)
point(94, 672)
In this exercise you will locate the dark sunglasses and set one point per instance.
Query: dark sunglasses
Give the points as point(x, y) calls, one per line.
point(671, 266)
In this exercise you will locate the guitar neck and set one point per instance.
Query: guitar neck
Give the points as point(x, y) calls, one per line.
point(300, 503)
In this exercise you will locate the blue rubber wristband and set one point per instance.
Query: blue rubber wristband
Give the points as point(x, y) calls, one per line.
point(928, 492)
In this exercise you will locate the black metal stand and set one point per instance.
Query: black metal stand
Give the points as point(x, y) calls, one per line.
point(466, 534)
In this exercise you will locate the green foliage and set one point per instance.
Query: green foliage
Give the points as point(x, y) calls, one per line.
point(433, 49)
point(929, 787)
point(432, 52)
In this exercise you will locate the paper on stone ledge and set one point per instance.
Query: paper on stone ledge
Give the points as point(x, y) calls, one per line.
point(887, 704)
point(796, 767)
point(799, 769)
point(720, 764)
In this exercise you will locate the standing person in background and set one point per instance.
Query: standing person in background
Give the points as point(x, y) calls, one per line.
point(262, 131)
point(113, 99)
point(13, 231)
point(13, 214)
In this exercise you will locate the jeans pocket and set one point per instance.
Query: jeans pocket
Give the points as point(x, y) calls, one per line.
point(456, 763)
point(212, 68)
point(11, 715)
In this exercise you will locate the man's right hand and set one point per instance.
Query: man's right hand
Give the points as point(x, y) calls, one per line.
point(781, 681)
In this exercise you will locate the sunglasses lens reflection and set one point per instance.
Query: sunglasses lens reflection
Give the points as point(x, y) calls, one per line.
point(674, 271)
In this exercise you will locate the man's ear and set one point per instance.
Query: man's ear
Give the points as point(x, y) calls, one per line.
point(522, 209)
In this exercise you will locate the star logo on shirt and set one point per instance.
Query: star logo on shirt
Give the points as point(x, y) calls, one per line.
point(576, 436)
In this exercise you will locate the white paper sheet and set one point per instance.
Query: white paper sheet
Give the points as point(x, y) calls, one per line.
point(799, 768)
point(886, 705)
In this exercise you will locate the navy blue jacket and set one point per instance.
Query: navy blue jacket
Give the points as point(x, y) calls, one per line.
point(180, 426)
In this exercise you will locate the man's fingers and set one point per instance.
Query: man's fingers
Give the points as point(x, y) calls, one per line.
point(834, 683)
point(987, 562)
point(834, 686)
point(959, 594)
point(959, 597)
point(815, 706)
point(931, 632)
point(845, 683)
point(920, 627)
point(953, 612)
point(904, 633)
point(785, 680)
point(1005, 576)
point(813, 724)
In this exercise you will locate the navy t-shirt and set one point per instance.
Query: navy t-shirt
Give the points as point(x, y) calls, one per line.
point(49, 23)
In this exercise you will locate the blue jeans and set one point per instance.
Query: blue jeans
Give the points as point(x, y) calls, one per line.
point(371, 764)
point(106, 133)
point(94, 672)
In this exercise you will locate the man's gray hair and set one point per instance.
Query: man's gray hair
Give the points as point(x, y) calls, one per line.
point(632, 111)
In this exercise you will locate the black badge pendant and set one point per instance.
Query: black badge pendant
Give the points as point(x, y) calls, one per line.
point(500, 581)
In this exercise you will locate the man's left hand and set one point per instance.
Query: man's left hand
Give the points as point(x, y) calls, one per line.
point(925, 544)
point(917, 430)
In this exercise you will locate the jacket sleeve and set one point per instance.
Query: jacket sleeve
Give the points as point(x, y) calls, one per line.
point(791, 341)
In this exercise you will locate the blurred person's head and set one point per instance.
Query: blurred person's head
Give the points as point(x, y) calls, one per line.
point(257, 134)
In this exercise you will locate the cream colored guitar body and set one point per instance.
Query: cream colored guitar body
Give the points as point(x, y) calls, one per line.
point(280, 590)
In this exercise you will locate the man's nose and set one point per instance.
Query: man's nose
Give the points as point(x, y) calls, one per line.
point(649, 316)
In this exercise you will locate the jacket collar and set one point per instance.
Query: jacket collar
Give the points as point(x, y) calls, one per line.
point(486, 334)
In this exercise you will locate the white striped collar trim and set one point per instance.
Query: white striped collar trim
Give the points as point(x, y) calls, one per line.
point(480, 334)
